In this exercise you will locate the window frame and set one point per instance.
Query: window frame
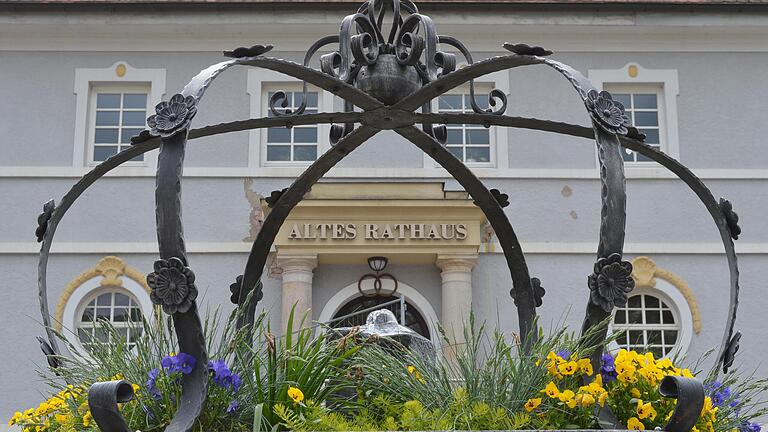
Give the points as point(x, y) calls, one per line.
point(92, 295)
point(463, 91)
point(498, 137)
point(258, 84)
point(122, 88)
point(645, 88)
point(631, 75)
point(291, 88)
point(681, 311)
point(120, 73)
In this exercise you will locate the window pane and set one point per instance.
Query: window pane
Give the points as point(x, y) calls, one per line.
point(623, 98)
point(670, 337)
point(651, 302)
point(651, 135)
point(135, 100)
point(126, 134)
point(107, 118)
point(646, 118)
point(278, 153)
point(456, 151)
point(87, 315)
point(305, 135)
point(136, 314)
point(121, 314)
point(121, 299)
point(478, 136)
point(102, 153)
point(449, 102)
point(654, 337)
point(621, 317)
point(312, 100)
point(478, 154)
point(304, 153)
point(454, 137)
point(278, 135)
point(635, 317)
point(481, 99)
point(628, 155)
point(636, 337)
point(643, 158)
point(645, 101)
point(133, 118)
point(105, 136)
point(668, 317)
point(108, 100)
point(652, 317)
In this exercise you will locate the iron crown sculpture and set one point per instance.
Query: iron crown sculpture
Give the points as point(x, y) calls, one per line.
point(383, 78)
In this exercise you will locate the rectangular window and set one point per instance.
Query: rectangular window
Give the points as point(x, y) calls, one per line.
point(645, 111)
point(298, 143)
point(469, 143)
point(117, 114)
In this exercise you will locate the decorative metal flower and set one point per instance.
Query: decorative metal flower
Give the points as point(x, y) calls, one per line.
point(50, 355)
point(501, 198)
point(731, 217)
point(525, 49)
point(43, 218)
point(611, 282)
point(606, 112)
point(172, 116)
point(538, 292)
point(274, 196)
point(730, 352)
point(236, 287)
point(173, 286)
point(634, 133)
point(253, 51)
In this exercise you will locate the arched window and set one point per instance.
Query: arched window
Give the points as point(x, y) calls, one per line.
point(112, 304)
point(648, 322)
point(111, 291)
point(413, 319)
point(661, 314)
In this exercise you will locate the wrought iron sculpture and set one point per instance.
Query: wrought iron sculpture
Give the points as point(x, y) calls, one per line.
point(388, 77)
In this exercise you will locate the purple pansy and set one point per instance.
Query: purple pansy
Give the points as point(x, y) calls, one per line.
point(223, 376)
point(608, 367)
point(746, 426)
point(564, 354)
point(181, 362)
point(152, 382)
point(233, 406)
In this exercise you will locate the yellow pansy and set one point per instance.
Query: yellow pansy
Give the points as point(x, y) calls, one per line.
point(87, 419)
point(634, 424)
point(551, 390)
point(601, 399)
point(585, 366)
point(645, 410)
point(586, 399)
point(635, 392)
point(566, 395)
point(296, 394)
point(532, 404)
point(568, 368)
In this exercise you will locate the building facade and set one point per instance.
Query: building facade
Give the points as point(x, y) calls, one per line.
point(78, 80)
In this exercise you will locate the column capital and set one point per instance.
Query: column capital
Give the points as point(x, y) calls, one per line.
point(296, 263)
point(456, 262)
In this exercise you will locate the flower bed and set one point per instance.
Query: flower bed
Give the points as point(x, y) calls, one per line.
point(305, 382)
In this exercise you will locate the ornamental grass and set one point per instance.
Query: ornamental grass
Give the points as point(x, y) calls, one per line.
point(311, 379)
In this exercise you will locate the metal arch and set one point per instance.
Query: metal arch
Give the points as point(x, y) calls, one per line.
point(257, 257)
point(683, 173)
point(521, 279)
point(136, 150)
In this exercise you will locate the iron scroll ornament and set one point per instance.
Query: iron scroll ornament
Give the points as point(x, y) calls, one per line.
point(376, 116)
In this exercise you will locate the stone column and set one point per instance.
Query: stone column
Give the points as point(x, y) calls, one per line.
point(297, 288)
point(456, 273)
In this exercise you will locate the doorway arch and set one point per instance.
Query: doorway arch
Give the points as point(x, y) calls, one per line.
point(413, 296)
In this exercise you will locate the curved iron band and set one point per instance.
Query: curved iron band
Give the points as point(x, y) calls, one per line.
point(66, 202)
point(686, 175)
point(612, 192)
point(689, 393)
point(526, 303)
point(113, 162)
point(170, 238)
point(257, 258)
point(103, 398)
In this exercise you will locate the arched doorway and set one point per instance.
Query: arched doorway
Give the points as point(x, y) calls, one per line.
point(415, 301)
point(355, 311)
